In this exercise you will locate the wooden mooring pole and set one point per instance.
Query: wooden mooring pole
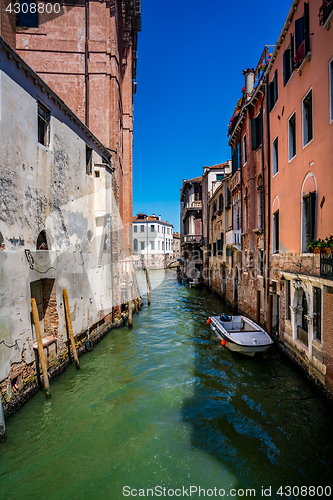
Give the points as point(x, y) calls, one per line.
point(2, 422)
point(137, 291)
point(270, 315)
point(258, 308)
point(41, 358)
point(148, 285)
point(70, 329)
point(129, 303)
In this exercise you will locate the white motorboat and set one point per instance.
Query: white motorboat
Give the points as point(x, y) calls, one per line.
point(240, 334)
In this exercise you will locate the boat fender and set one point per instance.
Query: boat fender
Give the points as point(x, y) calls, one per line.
point(225, 317)
point(223, 342)
point(208, 321)
point(89, 345)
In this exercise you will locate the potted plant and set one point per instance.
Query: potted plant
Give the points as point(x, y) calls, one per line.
point(228, 207)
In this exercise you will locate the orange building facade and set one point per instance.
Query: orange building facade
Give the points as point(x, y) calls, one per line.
point(300, 78)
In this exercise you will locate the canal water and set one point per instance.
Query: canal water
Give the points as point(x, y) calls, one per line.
point(164, 405)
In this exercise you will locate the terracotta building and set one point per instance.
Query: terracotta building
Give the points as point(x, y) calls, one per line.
point(301, 205)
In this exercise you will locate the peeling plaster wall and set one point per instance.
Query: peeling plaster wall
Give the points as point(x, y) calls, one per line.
point(47, 188)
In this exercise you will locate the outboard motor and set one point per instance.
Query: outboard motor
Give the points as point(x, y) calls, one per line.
point(225, 317)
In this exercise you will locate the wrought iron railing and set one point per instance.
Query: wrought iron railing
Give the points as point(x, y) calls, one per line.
point(326, 266)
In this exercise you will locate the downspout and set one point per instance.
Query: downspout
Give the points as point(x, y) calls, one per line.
point(263, 173)
point(86, 74)
point(269, 195)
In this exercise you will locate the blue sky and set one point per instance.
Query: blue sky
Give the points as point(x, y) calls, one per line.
point(191, 56)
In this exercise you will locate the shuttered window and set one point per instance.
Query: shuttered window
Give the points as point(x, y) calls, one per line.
point(256, 132)
point(307, 118)
point(273, 91)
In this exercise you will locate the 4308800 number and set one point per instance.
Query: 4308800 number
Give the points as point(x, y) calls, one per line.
point(33, 7)
point(305, 491)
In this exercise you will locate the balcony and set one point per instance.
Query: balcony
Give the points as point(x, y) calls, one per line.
point(235, 180)
point(233, 239)
point(191, 239)
point(193, 205)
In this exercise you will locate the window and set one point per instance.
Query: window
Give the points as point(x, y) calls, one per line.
point(43, 125)
point(304, 312)
point(256, 132)
point(275, 152)
point(288, 299)
point(142, 228)
point(276, 231)
point(135, 244)
point(197, 193)
point(159, 245)
point(142, 245)
point(162, 245)
point(28, 18)
point(221, 202)
point(88, 160)
point(135, 229)
point(214, 249)
point(292, 136)
point(152, 228)
point(244, 150)
point(236, 158)
point(245, 261)
point(309, 220)
point(260, 267)
point(42, 243)
point(219, 177)
point(153, 257)
point(152, 245)
point(307, 118)
point(288, 61)
point(331, 89)
point(317, 313)
point(302, 36)
point(273, 92)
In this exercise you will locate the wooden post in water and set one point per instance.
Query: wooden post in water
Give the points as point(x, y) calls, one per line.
point(148, 285)
point(270, 312)
point(41, 357)
point(135, 300)
point(2, 422)
point(129, 303)
point(137, 291)
point(70, 329)
point(258, 308)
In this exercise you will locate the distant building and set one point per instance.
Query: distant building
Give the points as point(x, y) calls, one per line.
point(191, 228)
point(176, 246)
point(152, 241)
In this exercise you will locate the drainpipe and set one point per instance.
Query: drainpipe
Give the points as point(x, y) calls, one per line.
point(269, 194)
point(86, 74)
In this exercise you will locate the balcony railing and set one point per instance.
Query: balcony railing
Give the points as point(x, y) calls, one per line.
point(326, 266)
point(191, 238)
point(233, 238)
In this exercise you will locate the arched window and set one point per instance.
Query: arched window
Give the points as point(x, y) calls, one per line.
point(304, 312)
point(135, 244)
point(43, 242)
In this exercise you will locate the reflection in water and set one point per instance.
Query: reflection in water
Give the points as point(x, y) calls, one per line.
point(165, 404)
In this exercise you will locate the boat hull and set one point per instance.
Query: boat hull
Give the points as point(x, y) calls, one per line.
point(244, 336)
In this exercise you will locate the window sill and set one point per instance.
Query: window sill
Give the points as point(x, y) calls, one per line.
point(328, 21)
point(291, 159)
point(257, 231)
point(46, 148)
point(303, 63)
point(309, 142)
point(274, 175)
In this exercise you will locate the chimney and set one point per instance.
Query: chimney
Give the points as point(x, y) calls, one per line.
point(159, 217)
point(249, 82)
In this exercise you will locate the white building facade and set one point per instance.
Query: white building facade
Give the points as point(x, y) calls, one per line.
point(152, 243)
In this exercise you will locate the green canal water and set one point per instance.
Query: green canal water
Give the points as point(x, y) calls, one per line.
point(164, 404)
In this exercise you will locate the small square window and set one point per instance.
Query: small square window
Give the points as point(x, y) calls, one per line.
point(152, 228)
point(43, 125)
point(135, 229)
point(142, 228)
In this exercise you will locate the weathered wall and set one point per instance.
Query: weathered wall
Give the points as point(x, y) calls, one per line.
point(47, 188)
